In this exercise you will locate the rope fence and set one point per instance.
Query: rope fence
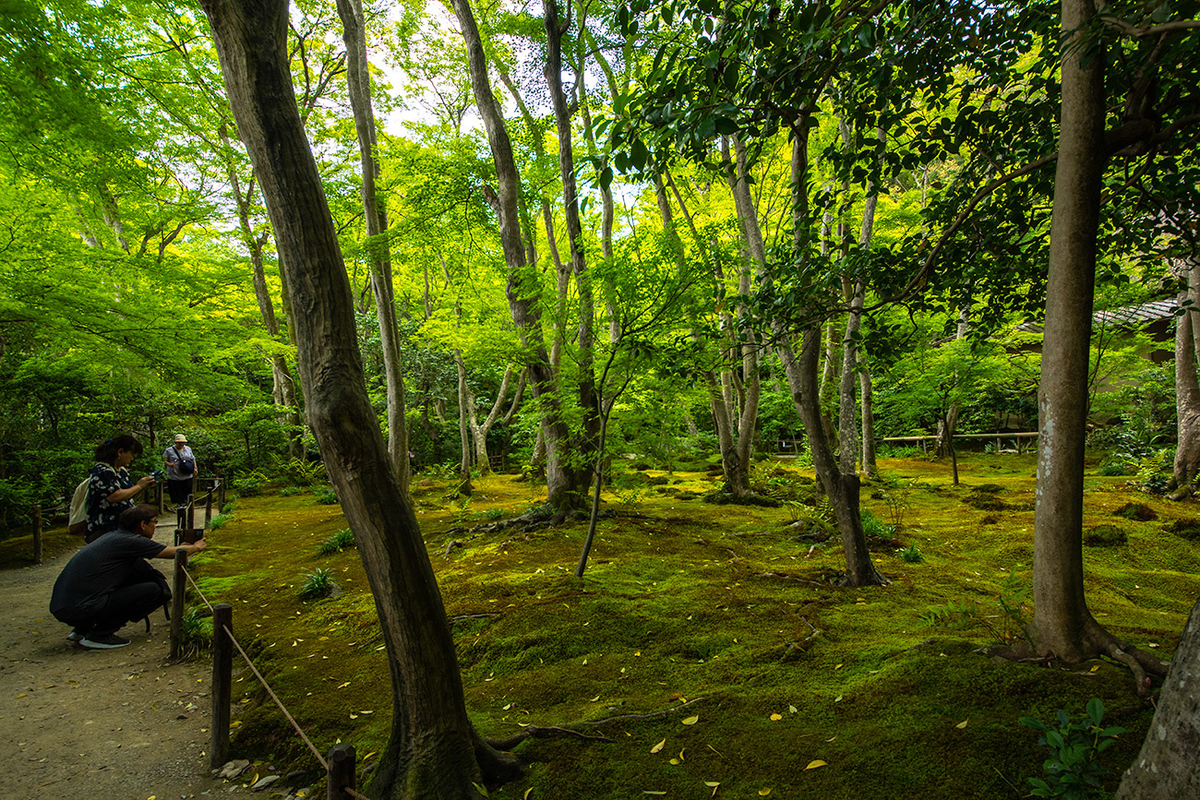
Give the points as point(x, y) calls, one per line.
point(339, 766)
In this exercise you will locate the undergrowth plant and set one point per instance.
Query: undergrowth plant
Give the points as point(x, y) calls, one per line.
point(1005, 623)
point(196, 633)
point(326, 496)
point(219, 521)
point(318, 583)
point(910, 554)
point(876, 528)
point(1073, 770)
point(337, 542)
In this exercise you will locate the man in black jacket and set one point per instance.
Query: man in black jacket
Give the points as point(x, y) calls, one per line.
point(108, 583)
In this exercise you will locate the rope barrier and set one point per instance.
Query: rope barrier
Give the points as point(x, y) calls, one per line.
point(299, 731)
point(278, 702)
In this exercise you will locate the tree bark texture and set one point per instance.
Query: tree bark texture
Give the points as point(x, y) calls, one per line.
point(433, 751)
point(1168, 768)
point(564, 492)
point(586, 445)
point(804, 383)
point(1061, 618)
point(1187, 387)
point(1062, 625)
point(358, 80)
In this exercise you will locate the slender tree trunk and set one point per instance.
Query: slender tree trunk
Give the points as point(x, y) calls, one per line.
point(847, 405)
point(284, 385)
point(564, 492)
point(948, 424)
point(465, 400)
point(801, 372)
point(586, 445)
point(433, 751)
point(739, 183)
point(358, 80)
point(1187, 387)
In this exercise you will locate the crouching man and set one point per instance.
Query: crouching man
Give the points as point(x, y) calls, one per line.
point(108, 583)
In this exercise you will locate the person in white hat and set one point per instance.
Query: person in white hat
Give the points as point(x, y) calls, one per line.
point(181, 470)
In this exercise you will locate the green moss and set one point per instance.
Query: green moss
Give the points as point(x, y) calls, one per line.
point(712, 603)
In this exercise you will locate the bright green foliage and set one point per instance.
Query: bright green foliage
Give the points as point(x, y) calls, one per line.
point(1073, 771)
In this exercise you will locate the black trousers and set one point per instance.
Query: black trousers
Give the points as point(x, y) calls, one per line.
point(123, 605)
point(180, 490)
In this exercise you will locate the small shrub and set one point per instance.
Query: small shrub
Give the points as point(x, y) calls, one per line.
point(326, 496)
point(219, 521)
point(876, 528)
point(336, 543)
point(911, 554)
point(289, 491)
point(249, 485)
point(1073, 770)
point(493, 514)
point(318, 583)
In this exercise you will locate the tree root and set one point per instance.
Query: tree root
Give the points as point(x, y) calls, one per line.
point(1097, 642)
point(549, 732)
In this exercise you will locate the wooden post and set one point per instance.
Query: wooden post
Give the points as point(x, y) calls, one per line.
point(191, 511)
point(341, 772)
point(222, 684)
point(221, 495)
point(37, 534)
point(207, 509)
point(180, 521)
point(178, 595)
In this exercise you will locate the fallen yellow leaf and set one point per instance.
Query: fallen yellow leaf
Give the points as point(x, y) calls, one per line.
point(839, 666)
point(776, 717)
point(763, 792)
point(691, 720)
point(658, 747)
point(526, 795)
point(816, 763)
point(962, 724)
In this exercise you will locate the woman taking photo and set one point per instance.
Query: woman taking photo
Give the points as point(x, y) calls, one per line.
point(110, 489)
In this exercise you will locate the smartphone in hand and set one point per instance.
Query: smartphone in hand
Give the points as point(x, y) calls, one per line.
point(157, 475)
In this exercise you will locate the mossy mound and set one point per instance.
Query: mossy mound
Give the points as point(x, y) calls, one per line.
point(1139, 512)
point(1187, 528)
point(1105, 536)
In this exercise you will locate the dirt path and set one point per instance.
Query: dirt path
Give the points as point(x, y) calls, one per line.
point(97, 724)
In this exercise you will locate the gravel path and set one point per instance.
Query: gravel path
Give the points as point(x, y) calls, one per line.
point(97, 724)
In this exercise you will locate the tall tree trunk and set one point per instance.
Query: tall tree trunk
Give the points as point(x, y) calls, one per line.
point(738, 176)
point(864, 371)
point(564, 491)
point(465, 401)
point(947, 425)
point(801, 372)
point(1062, 625)
point(284, 388)
point(358, 80)
point(1167, 767)
point(1187, 386)
point(585, 446)
point(433, 750)
point(847, 405)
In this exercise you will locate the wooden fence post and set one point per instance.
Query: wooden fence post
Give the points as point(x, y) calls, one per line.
point(221, 495)
point(341, 772)
point(191, 511)
point(37, 534)
point(180, 521)
point(178, 591)
point(222, 683)
point(208, 509)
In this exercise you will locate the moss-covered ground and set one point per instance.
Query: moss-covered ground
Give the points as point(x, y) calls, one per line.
point(726, 606)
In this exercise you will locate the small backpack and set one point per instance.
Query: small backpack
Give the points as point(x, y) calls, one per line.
point(77, 518)
point(185, 466)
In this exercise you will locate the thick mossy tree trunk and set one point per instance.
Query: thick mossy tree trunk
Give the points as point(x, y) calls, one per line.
point(1062, 625)
point(1168, 766)
point(433, 752)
